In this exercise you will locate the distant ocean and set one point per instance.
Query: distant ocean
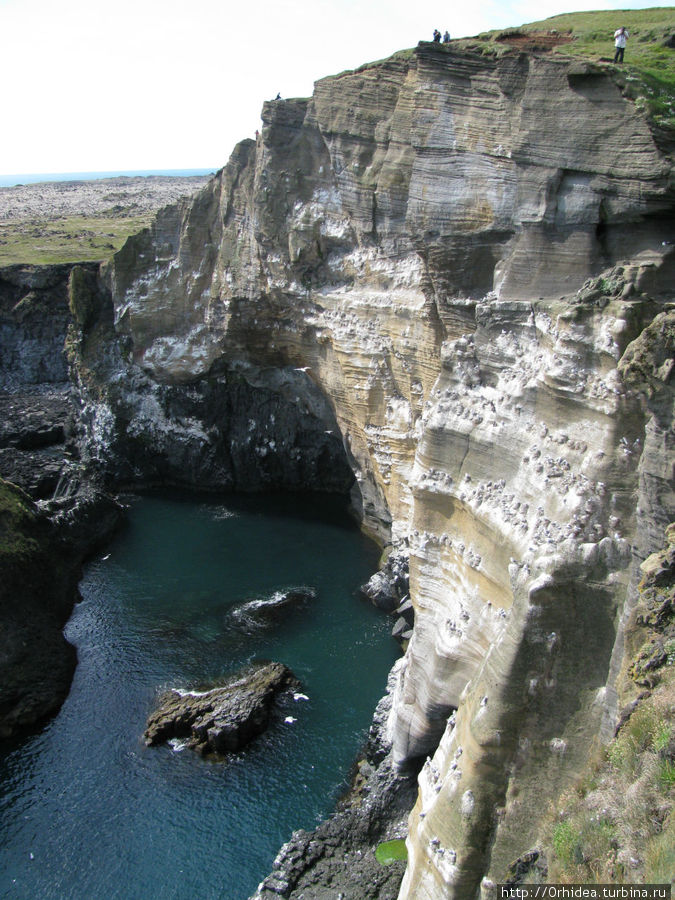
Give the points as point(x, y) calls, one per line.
point(35, 178)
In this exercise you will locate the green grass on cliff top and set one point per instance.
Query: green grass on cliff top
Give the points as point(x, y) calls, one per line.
point(66, 239)
point(593, 37)
point(648, 71)
point(647, 77)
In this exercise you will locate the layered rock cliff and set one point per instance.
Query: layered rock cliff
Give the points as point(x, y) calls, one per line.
point(444, 282)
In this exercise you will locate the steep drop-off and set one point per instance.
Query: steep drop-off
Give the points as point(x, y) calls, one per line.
point(448, 277)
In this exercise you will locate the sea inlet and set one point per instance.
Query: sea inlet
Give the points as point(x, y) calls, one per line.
point(88, 811)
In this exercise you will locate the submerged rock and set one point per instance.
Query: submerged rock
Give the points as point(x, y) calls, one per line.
point(266, 611)
point(224, 719)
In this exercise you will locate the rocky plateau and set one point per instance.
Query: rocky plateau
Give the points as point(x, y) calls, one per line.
point(444, 285)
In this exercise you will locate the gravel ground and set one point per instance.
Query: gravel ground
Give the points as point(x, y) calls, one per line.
point(121, 196)
point(77, 221)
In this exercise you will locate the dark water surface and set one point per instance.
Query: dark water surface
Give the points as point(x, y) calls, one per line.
point(87, 811)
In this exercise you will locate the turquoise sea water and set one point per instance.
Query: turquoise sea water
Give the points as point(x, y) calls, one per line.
point(87, 811)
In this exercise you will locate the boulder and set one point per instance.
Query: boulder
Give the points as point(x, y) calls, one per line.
point(380, 591)
point(402, 631)
point(407, 611)
point(226, 718)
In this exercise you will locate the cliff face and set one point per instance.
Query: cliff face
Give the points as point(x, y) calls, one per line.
point(41, 546)
point(450, 275)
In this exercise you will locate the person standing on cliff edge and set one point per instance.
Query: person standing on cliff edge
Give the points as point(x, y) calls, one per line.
point(620, 36)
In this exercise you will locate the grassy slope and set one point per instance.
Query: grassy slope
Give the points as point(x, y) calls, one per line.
point(16, 523)
point(66, 239)
point(618, 824)
point(593, 37)
point(649, 63)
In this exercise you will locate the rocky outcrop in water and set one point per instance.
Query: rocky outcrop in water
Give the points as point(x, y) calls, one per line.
point(224, 719)
point(268, 611)
point(443, 282)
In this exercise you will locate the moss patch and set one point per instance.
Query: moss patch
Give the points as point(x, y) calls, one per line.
point(17, 521)
point(391, 851)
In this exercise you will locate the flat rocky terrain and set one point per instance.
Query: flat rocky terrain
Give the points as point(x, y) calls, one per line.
point(78, 221)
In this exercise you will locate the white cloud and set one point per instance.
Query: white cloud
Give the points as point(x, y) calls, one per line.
point(141, 84)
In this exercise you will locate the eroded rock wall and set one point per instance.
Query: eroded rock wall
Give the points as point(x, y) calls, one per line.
point(458, 268)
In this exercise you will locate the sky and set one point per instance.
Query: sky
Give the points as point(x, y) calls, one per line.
point(118, 85)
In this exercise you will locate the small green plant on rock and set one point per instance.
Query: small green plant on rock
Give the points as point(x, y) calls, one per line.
point(667, 774)
point(567, 843)
point(389, 852)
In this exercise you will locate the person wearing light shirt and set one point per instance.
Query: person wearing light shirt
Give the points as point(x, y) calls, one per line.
point(620, 36)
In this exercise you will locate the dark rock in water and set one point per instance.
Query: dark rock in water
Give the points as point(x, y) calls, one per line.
point(38, 588)
point(379, 591)
point(83, 516)
point(387, 588)
point(265, 612)
point(224, 719)
point(40, 555)
point(337, 859)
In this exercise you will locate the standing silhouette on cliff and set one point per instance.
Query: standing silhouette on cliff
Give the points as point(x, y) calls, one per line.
point(620, 36)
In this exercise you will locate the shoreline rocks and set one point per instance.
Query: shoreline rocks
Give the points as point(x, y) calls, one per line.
point(224, 719)
point(40, 557)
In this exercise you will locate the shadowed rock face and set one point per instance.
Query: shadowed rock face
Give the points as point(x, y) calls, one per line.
point(36, 403)
point(451, 276)
point(41, 548)
point(39, 562)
